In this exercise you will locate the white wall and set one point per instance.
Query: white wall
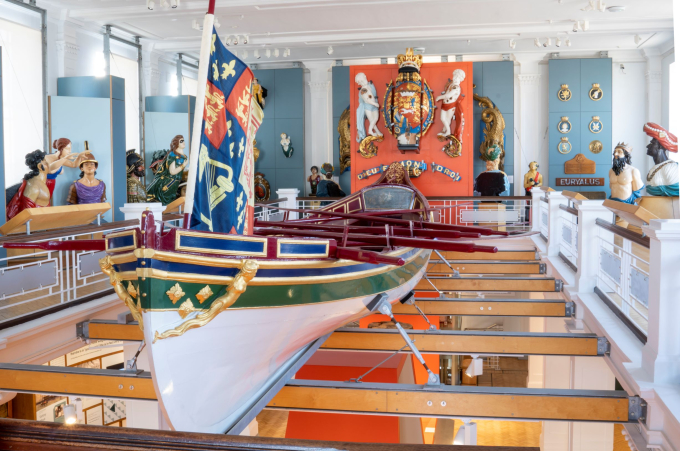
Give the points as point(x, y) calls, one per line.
point(665, 91)
point(128, 69)
point(628, 111)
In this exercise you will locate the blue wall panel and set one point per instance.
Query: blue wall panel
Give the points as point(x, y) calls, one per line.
point(340, 95)
point(169, 104)
point(91, 87)
point(283, 113)
point(599, 71)
point(567, 72)
point(159, 129)
point(605, 137)
point(555, 137)
point(498, 84)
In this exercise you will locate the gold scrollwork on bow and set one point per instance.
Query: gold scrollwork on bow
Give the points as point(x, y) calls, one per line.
point(453, 148)
point(367, 147)
point(136, 309)
point(234, 290)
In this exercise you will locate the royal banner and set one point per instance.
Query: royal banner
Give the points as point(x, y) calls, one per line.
point(223, 201)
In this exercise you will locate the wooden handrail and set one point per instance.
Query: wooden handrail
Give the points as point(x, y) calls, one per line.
point(24, 434)
point(623, 233)
point(273, 201)
point(320, 199)
point(568, 209)
point(69, 231)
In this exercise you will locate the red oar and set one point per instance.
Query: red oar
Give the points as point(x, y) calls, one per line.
point(70, 245)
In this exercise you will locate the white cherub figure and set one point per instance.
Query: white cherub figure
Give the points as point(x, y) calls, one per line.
point(368, 106)
point(449, 98)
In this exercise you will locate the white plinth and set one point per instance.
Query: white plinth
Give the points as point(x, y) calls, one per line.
point(134, 211)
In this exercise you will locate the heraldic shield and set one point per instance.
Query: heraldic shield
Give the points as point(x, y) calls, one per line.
point(408, 106)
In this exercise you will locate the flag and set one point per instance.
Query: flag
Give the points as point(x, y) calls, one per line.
point(223, 199)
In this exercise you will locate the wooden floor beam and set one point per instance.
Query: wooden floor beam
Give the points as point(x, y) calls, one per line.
point(486, 283)
point(612, 406)
point(468, 342)
point(475, 267)
point(72, 381)
point(488, 307)
point(501, 255)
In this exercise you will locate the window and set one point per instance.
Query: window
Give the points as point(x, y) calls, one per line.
point(189, 86)
point(128, 69)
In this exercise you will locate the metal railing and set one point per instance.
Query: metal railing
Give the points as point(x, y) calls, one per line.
point(544, 218)
point(505, 213)
point(569, 235)
point(623, 274)
point(264, 212)
point(34, 280)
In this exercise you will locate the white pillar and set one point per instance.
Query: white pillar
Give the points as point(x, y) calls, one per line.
point(661, 354)
point(653, 77)
point(529, 108)
point(150, 69)
point(536, 195)
point(320, 148)
point(66, 47)
point(588, 247)
point(555, 198)
point(291, 195)
point(135, 210)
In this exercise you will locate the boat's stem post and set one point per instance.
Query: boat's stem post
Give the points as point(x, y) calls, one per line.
point(386, 308)
point(456, 273)
point(410, 299)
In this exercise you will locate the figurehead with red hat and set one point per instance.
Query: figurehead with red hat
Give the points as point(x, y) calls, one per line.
point(662, 179)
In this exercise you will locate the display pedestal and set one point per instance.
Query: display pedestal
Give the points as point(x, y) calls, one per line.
point(134, 211)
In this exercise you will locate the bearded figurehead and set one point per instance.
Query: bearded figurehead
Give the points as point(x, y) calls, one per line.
point(136, 192)
point(624, 180)
point(662, 178)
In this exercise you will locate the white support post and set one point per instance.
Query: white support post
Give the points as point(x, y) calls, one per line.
point(536, 195)
point(588, 247)
point(555, 198)
point(319, 148)
point(661, 354)
point(291, 194)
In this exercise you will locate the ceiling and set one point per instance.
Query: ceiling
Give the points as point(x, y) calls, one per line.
point(383, 28)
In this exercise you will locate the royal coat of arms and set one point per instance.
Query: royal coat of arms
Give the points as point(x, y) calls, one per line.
point(408, 106)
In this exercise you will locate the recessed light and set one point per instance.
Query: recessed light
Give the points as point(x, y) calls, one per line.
point(616, 9)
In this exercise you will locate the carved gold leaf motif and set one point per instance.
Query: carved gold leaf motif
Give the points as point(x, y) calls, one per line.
point(186, 308)
point(204, 294)
point(175, 293)
point(132, 290)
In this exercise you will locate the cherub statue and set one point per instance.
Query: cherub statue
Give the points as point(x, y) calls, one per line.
point(368, 107)
point(449, 100)
point(624, 180)
point(662, 178)
point(285, 145)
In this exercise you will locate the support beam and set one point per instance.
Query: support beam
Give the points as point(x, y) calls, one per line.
point(71, 381)
point(109, 330)
point(468, 342)
point(472, 283)
point(501, 255)
point(446, 401)
point(476, 267)
point(489, 307)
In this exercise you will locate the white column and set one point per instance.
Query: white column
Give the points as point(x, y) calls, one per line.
point(536, 195)
point(555, 198)
point(291, 194)
point(653, 77)
point(661, 354)
point(588, 247)
point(320, 148)
point(66, 47)
point(150, 69)
point(529, 79)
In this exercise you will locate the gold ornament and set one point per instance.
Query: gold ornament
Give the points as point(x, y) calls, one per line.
point(345, 140)
point(367, 148)
point(564, 94)
point(595, 126)
point(256, 151)
point(595, 92)
point(595, 146)
point(564, 126)
point(186, 308)
point(453, 148)
point(564, 146)
point(495, 126)
point(409, 59)
point(175, 293)
point(204, 294)
point(106, 265)
point(132, 290)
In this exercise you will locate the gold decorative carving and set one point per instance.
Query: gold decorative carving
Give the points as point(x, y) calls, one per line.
point(107, 268)
point(453, 148)
point(132, 290)
point(564, 94)
point(256, 151)
point(234, 290)
point(345, 139)
point(493, 131)
point(409, 59)
point(564, 146)
point(580, 164)
point(595, 146)
point(186, 308)
point(395, 174)
point(367, 147)
point(175, 293)
point(595, 92)
point(204, 294)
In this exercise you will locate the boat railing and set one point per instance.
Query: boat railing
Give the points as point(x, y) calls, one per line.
point(623, 274)
point(314, 203)
point(265, 212)
point(569, 235)
point(35, 281)
point(544, 208)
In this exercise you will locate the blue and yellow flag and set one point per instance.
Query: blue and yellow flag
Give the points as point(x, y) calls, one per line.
point(224, 200)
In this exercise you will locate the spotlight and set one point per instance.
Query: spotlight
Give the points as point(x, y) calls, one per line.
point(568, 42)
point(194, 24)
point(244, 54)
point(537, 43)
point(586, 25)
point(150, 4)
point(286, 52)
point(70, 414)
point(638, 39)
point(590, 6)
point(548, 42)
point(558, 42)
point(174, 4)
point(229, 41)
point(165, 4)
point(245, 38)
point(330, 50)
point(216, 24)
point(268, 53)
point(575, 29)
point(256, 54)
point(601, 6)
point(276, 53)
point(512, 44)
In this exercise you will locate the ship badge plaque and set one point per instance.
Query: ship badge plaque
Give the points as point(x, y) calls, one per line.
point(564, 126)
point(595, 92)
point(595, 146)
point(564, 94)
point(595, 125)
point(564, 146)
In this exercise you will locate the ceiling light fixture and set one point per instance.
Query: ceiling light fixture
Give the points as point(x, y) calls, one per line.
point(165, 4)
point(638, 39)
point(590, 6)
point(512, 44)
point(150, 4)
point(330, 50)
point(194, 24)
point(558, 42)
point(276, 53)
point(567, 42)
point(229, 41)
point(174, 4)
point(547, 43)
point(268, 53)
point(216, 24)
point(245, 38)
point(256, 54)
point(576, 27)
point(616, 9)
point(585, 25)
point(70, 414)
point(601, 6)
point(537, 42)
point(286, 52)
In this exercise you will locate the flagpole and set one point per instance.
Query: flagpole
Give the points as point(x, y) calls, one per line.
point(202, 80)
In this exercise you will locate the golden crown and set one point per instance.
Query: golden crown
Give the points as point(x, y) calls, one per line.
point(409, 59)
point(565, 86)
point(596, 85)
